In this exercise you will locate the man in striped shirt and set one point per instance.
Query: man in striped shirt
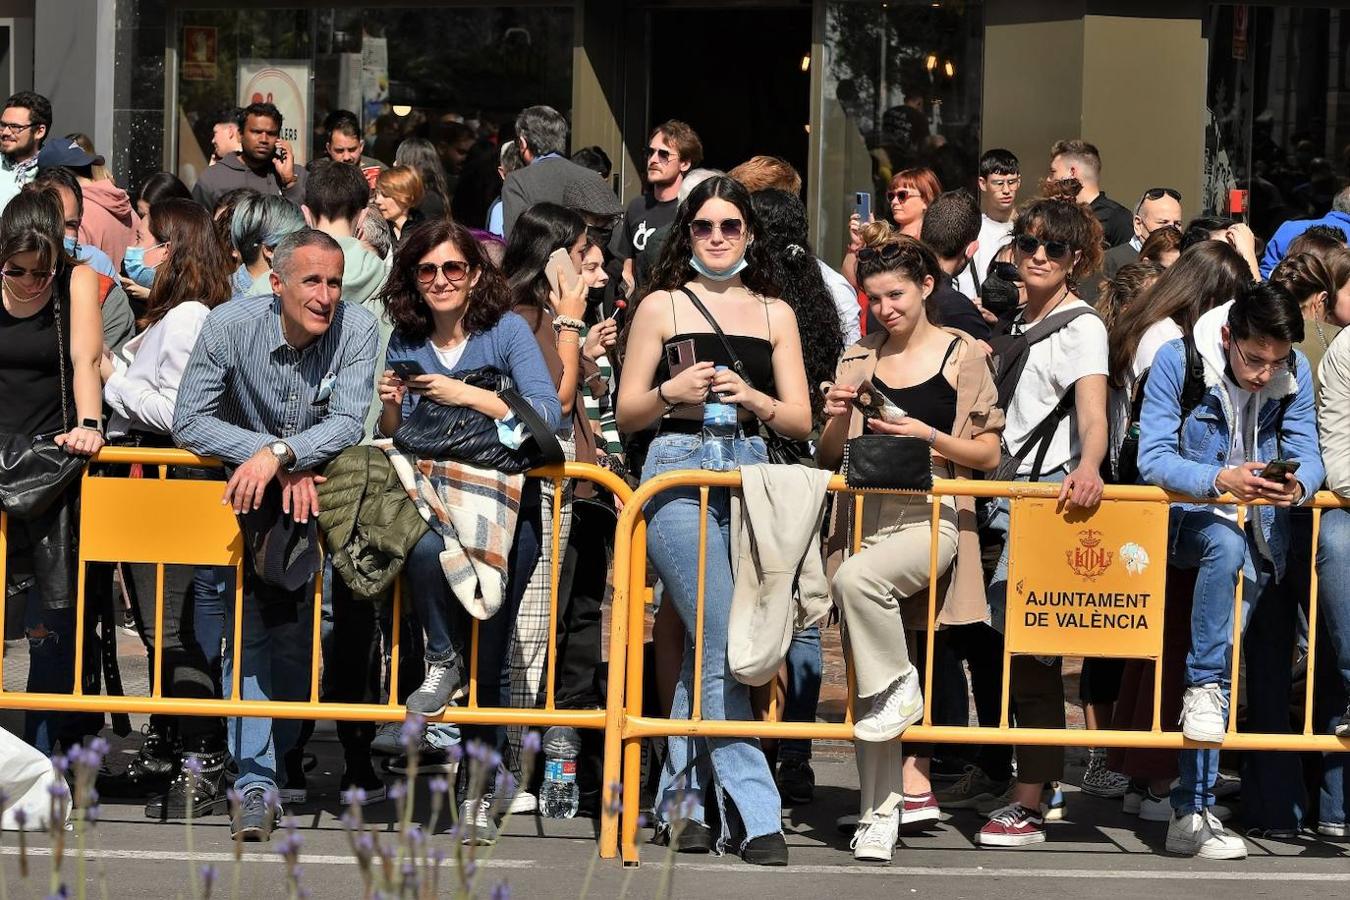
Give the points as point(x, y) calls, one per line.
point(276, 386)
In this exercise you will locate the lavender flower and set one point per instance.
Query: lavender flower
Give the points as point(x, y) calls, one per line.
point(349, 821)
point(455, 752)
point(438, 785)
point(208, 876)
point(615, 804)
point(91, 813)
point(501, 892)
point(358, 796)
point(192, 764)
point(414, 726)
point(470, 867)
point(234, 798)
point(506, 782)
point(60, 764)
point(20, 817)
point(272, 797)
point(530, 743)
point(416, 836)
point(397, 790)
point(59, 789)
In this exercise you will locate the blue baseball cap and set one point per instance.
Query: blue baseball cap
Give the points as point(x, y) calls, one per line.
point(66, 153)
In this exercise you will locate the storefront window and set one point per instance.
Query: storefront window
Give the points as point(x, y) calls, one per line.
point(902, 85)
point(1279, 101)
point(452, 75)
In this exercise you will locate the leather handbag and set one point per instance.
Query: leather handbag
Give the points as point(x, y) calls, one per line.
point(781, 450)
point(888, 462)
point(434, 431)
point(34, 471)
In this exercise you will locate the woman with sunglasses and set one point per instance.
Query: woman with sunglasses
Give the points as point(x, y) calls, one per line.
point(141, 389)
point(907, 198)
point(713, 254)
point(1056, 245)
point(941, 378)
point(450, 309)
point(51, 337)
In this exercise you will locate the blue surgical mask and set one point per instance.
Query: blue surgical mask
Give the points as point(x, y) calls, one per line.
point(723, 275)
point(72, 246)
point(137, 270)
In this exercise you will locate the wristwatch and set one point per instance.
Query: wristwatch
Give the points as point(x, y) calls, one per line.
point(92, 424)
point(284, 454)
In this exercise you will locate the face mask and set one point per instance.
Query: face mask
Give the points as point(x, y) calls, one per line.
point(72, 246)
point(726, 274)
point(137, 270)
point(595, 295)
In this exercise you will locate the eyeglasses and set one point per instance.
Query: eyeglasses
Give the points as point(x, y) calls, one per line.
point(1159, 193)
point(998, 184)
point(886, 252)
point(662, 154)
point(454, 271)
point(1274, 368)
point(1028, 244)
point(15, 127)
point(902, 194)
point(702, 229)
point(16, 272)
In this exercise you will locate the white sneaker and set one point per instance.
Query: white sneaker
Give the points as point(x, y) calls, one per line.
point(876, 842)
point(1159, 809)
point(523, 802)
point(1132, 801)
point(893, 710)
point(1204, 714)
point(1331, 829)
point(1201, 834)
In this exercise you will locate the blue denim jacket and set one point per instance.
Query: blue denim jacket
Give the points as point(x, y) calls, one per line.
point(1186, 459)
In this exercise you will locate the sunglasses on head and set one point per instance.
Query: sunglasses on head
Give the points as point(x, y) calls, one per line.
point(453, 269)
point(1159, 193)
point(702, 229)
point(886, 252)
point(902, 194)
point(664, 155)
point(1028, 244)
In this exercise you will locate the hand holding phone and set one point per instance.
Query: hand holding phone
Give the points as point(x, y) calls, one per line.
point(873, 404)
point(680, 356)
point(1277, 469)
point(562, 272)
point(407, 369)
point(862, 205)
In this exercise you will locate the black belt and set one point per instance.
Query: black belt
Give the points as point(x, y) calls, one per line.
point(694, 426)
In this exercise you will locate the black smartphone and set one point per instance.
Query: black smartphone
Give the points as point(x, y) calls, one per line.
point(280, 153)
point(407, 369)
point(1276, 469)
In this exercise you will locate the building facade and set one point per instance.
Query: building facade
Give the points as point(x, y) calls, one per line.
point(1244, 108)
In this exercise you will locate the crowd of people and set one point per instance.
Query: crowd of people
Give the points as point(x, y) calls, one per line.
point(321, 328)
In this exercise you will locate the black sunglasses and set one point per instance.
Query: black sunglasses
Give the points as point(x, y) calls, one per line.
point(1159, 193)
point(663, 155)
point(886, 252)
point(702, 229)
point(16, 272)
point(1028, 244)
point(454, 271)
point(902, 194)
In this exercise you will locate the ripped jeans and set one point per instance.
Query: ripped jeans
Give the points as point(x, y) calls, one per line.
point(51, 666)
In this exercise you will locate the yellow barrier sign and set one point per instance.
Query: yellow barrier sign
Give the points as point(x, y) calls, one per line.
point(1087, 583)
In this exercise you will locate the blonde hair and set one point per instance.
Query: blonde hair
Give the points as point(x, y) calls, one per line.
point(402, 185)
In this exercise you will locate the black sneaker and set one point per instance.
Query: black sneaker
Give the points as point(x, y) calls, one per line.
point(444, 684)
point(430, 761)
point(695, 837)
point(1343, 726)
point(362, 786)
point(766, 850)
point(207, 798)
point(149, 773)
point(255, 818)
point(796, 780)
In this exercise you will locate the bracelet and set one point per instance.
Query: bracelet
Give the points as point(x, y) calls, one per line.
point(661, 392)
point(932, 437)
point(561, 322)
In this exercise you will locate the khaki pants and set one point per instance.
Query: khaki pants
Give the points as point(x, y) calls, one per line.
point(893, 564)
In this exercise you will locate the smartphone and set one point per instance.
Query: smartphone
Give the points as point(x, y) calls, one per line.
point(1276, 469)
point(680, 356)
point(560, 269)
point(280, 153)
point(862, 204)
point(407, 369)
point(873, 404)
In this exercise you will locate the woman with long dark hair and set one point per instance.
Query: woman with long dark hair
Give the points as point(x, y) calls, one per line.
point(51, 338)
point(714, 255)
point(420, 155)
point(451, 313)
point(142, 389)
point(160, 186)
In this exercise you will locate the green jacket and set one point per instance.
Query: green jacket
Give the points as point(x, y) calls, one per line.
point(369, 523)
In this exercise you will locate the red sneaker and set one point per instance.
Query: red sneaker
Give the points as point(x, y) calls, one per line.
point(1012, 826)
point(920, 808)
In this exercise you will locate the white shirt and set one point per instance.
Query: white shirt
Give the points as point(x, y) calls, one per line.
point(994, 236)
point(142, 392)
point(450, 358)
point(1151, 341)
point(1053, 366)
point(846, 302)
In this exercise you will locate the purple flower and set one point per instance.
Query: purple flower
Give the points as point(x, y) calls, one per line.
point(233, 797)
point(20, 817)
point(349, 821)
point(192, 765)
point(501, 892)
point(470, 868)
point(208, 876)
point(409, 870)
point(397, 790)
point(438, 856)
point(414, 726)
point(438, 785)
point(642, 820)
point(615, 804)
point(455, 752)
point(272, 797)
point(59, 789)
point(365, 844)
point(506, 782)
point(357, 796)
point(90, 760)
point(100, 746)
point(415, 835)
point(493, 760)
point(91, 814)
point(60, 764)
point(476, 750)
point(530, 743)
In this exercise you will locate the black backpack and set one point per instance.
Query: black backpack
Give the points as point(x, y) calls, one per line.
point(1011, 352)
point(1126, 469)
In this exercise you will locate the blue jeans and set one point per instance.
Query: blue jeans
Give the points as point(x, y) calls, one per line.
point(728, 766)
point(51, 667)
point(1218, 551)
point(1333, 595)
point(212, 589)
point(803, 689)
point(275, 660)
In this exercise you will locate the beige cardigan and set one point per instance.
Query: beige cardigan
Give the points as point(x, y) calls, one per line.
point(976, 413)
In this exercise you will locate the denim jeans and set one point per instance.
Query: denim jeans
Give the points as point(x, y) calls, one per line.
point(732, 767)
point(212, 589)
point(803, 689)
point(1214, 547)
point(275, 659)
point(51, 667)
point(1333, 594)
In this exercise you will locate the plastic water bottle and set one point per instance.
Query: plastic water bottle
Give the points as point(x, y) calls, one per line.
point(719, 434)
point(559, 796)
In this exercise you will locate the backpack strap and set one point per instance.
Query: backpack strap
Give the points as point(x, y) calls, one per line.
point(1051, 324)
point(1193, 387)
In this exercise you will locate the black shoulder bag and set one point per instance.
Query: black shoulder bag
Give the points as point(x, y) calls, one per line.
point(434, 431)
point(782, 451)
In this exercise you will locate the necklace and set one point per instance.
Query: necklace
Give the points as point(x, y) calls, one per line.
point(15, 298)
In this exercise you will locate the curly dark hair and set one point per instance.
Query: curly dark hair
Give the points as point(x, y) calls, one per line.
point(489, 299)
point(783, 229)
point(1063, 219)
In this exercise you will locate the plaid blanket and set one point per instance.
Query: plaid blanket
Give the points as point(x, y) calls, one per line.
point(474, 511)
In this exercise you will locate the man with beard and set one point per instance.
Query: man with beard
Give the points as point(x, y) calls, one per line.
point(672, 150)
point(266, 163)
point(23, 128)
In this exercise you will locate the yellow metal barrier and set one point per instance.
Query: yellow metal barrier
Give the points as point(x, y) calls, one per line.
point(1142, 511)
point(163, 521)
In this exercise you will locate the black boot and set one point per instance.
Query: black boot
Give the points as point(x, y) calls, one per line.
point(149, 772)
point(205, 791)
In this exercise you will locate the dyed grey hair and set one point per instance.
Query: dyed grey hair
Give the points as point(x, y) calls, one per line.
point(260, 220)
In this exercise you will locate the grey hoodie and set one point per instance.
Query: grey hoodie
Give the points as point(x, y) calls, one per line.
point(231, 173)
